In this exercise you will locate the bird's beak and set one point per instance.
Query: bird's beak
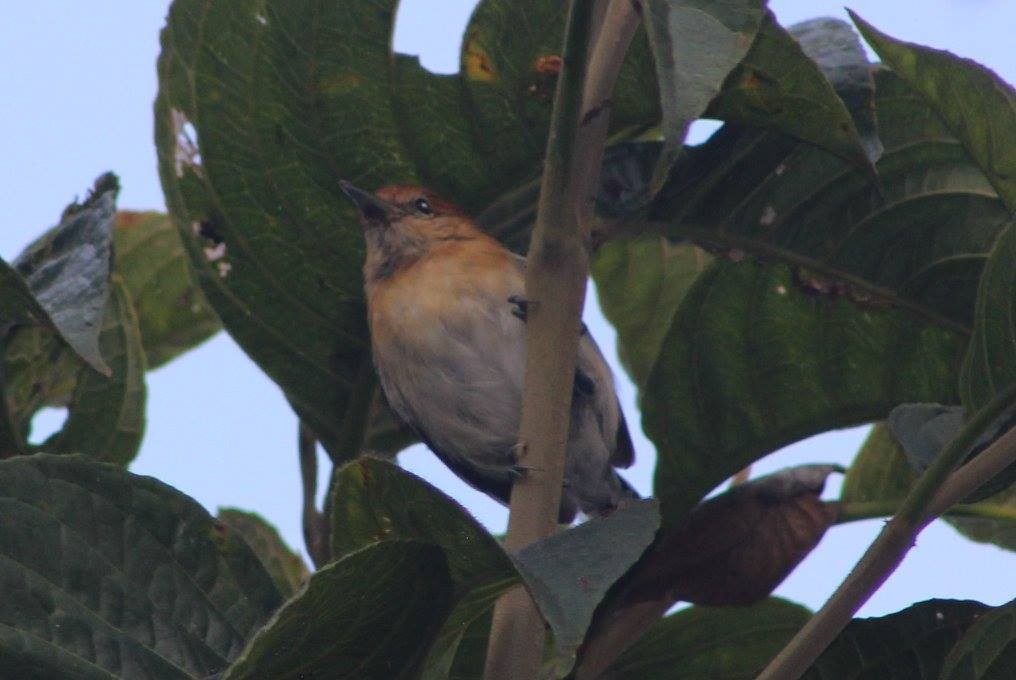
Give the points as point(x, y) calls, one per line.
point(372, 209)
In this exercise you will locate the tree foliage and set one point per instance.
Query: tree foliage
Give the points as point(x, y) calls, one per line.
point(842, 246)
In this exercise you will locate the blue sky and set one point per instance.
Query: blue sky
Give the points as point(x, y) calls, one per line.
point(78, 82)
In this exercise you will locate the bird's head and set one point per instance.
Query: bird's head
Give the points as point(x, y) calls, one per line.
point(402, 222)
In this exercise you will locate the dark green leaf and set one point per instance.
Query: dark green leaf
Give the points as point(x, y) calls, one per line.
point(977, 106)
point(112, 575)
point(880, 470)
point(290, 99)
point(919, 244)
point(912, 643)
point(834, 46)
point(511, 56)
point(882, 475)
point(733, 643)
point(988, 649)
point(373, 500)
point(640, 284)
point(569, 573)
point(990, 365)
point(67, 270)
point(287, 569)
point(372, 614)
point(778, 85)
point(106, 415)
point(696, 44)
point(172, 312)
point(751, 362)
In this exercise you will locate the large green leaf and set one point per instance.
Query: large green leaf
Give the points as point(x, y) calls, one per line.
point(977, 106)
point(373, 500)
point(912, 643)
point(106, 574)
point(990, 365)
point(918, 243)
point(640, 284)
point(881, 476)
point(752, 362)
point(263, 107)
point(733, 643)
point(288, 570)
point(172, 312)
point(778, 85)
point(695, 46)
point(372, 614)
point(988, 649)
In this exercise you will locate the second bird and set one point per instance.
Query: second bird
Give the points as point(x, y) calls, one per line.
point(446, 310)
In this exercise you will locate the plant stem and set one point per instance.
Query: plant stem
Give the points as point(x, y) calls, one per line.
point(892, 544)
point(990, 462)
point(312, 519)
point(862, 510)
point(555, 287)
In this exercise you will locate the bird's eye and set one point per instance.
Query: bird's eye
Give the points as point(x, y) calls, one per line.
point(423, 207)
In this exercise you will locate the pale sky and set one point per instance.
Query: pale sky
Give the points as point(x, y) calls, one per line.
point(78, 82)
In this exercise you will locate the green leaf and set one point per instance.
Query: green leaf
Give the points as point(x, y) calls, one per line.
point(287, 569)
point(778, 85)
point(918, 244)
point(733, 643)
point(374, 501)
point(372, 614)
point(112, 575)
point(289, 100)
point(172, 312)
point(106, 415)
point(511, 56)
point(987, 650)
point(990, 364)
point(752, 362)
point(695, 45)
point(67, 271)
point(569, 572)
point(640, 284)
point(977, 106)
point(881, 476)
point(912, 643)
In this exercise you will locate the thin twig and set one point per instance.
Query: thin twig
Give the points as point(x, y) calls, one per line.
point(555, 286)
point(315, 529)
point(916, 511)
point(858, 511)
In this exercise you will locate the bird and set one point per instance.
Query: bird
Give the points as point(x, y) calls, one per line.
point(446, 310)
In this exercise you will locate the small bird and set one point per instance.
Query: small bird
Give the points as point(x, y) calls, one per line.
point(447, 312)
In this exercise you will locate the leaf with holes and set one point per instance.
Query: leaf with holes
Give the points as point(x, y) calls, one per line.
point(918, 244)
point(172, 312)
point(250, 162)
point(288, 570)
point(112, 575)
